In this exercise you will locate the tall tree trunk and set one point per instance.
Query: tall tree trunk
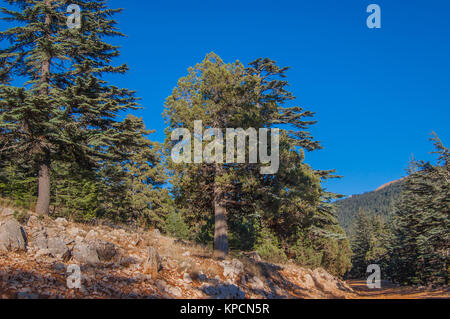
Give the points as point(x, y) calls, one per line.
point(43, 203)
point(220, 222)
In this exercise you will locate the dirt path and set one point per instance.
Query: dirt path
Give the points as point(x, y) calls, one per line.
point(390, 291)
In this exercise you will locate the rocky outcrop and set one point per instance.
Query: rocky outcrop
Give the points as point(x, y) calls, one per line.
point(120, 263)
point(12, 236)
point(94, 252)
point(86, 254)
point(329, 284)
point(6, 212)
point(46, 241)
point(58, 248)
point(232, 269)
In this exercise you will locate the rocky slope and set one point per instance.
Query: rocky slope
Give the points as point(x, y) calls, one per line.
point(37, 258)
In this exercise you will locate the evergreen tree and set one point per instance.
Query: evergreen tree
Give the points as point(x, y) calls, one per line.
point(75, 192)
point(370, 244)
point(216, 94)
point(238, 195)
point(16, 184)
point(422, 240)
point(131, 189)
point(65, 110)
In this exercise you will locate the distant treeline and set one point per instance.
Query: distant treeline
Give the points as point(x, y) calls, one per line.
point(404, 228)
point(380, 203)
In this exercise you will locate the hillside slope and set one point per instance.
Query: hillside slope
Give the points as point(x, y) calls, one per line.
point(117, 262)
point(378, 202)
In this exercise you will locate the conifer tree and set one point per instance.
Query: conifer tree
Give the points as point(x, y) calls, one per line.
point(137, 195)
point(422, 240)
point(211, 93)
point(64, 110)
point(232, 96)
point(369, 242)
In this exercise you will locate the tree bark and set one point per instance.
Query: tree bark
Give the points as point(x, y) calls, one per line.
point(220, 223)
point(43, 203)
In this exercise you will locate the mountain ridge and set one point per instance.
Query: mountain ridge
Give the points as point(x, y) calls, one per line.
point(389, 184)
point(377, 202)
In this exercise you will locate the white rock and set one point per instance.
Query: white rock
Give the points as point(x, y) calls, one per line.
point(61, 221)
point(43, 253)
point(6, 212)
point(73, 231)
point(92, 235)
point(187, 278)
point(256, 283)
point(86, 254)
point(12, 236)
point(174, 291)
point(232, 269)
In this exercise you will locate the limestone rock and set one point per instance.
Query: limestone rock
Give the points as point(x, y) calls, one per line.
point(232, 269)
point(308, 282)
point(39, 240)
point(74, 232)
point(85, 253)
point(187, 278)
point(91, 236)
point(12, 236)
point(174, 291)
point(58, 248)
point(43, 253)
point(61, 222)
point(34, 224)
point(256, 283)
point(6, 212)
point(327, 283)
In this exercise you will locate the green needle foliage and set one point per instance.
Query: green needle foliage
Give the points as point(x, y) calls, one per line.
point(420, 249)
point(411, 244)
point(370, 244)
point(64, 110)
point(234, 204)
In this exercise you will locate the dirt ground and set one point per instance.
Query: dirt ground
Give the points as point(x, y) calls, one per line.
point(391, 291)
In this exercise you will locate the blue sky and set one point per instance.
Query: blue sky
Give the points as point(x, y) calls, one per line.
point(378, 94)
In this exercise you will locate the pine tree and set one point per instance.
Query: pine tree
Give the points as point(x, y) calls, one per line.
point(65, 110)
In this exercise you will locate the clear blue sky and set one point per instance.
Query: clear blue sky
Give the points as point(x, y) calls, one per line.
point(378, 94)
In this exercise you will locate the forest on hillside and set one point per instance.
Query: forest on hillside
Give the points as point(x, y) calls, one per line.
point(403, 228)
point(380, 202)
point(71, 147)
